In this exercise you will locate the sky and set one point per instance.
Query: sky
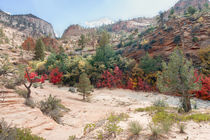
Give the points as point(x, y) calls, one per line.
point(62, 13)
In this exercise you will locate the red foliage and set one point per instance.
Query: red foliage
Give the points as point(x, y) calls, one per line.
point(34, 78)
point(129, 84)
point(116, 79)
point(204, 93)
point(29, 44)
point(111, 80)
point(55, 76)
point(50, 42)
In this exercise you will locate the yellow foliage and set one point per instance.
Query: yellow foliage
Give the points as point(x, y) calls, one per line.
point(201, 20)
point(41, 65)
point(143, 42)
point(204, 55)
point(151, 78)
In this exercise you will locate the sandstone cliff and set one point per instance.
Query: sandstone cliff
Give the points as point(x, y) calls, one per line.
point(29, 24)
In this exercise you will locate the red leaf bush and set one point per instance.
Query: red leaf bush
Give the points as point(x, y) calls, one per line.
point(34, 78)
point(204, 93)
point(120, 80)
point(55, 76)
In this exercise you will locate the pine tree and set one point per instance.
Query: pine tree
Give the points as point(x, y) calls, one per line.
point(178, 77)
point(82, 41)
point(39, 50)
point(84, 85)
point(104, 39)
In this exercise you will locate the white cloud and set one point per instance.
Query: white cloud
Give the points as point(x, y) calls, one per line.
point(97, 23)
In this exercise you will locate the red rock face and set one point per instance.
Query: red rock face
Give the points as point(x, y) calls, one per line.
point(76, 30)
point(195, 32)
point(181, 6)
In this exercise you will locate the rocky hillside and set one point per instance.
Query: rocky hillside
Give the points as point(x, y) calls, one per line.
point(29, 24)
point(74, 31)
point(181, 6)
point(162, 40)
point(130, 25)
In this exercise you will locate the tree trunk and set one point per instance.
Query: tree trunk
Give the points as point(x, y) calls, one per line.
point(84, 96)
point(186, 103)
point(29, 93)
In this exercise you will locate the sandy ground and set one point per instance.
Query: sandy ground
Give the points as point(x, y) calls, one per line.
point(102, 103)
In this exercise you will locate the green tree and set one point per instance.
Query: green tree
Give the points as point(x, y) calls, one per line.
point(160, 18)
point(191, 10)
point(39, 50)
point(171, 13)
point(178, 77)
point(149, 64)
point(104, 39)
point(84, 85)
point(82, 41)
point(206, 5)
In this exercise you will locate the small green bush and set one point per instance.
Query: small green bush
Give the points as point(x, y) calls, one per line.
point(181, 127)
point(197, 117)
point(72, 137)
point(89, 127)
point(160, 103)
point(29, 102)
point(21, 92)
point(11, 133)
point(177, 39)
point(155, 130)
point(53, 108)
point(135, 128)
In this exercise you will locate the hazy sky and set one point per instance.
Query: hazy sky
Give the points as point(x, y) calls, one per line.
point(62, 13)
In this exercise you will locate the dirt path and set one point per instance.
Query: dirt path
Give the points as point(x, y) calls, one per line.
point(102, 103)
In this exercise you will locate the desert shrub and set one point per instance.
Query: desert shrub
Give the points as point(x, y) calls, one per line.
point(161, 41)
point(181, 127)
point(9, 83)
point(195, 39)
point(153, 109)
point(177, 39)
point(134, 128)
point(100, 135)
point(152, 42)
point(160, 103)
point(11, 133)
point(191, 10)
point(89, 127)
point(155, 130)
point(169, 29)
point(52, 107)
point(72, 137)
point(147, 47)
point(21, 92)
point(199, 117)
point(111, 128)
point(30, 102)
